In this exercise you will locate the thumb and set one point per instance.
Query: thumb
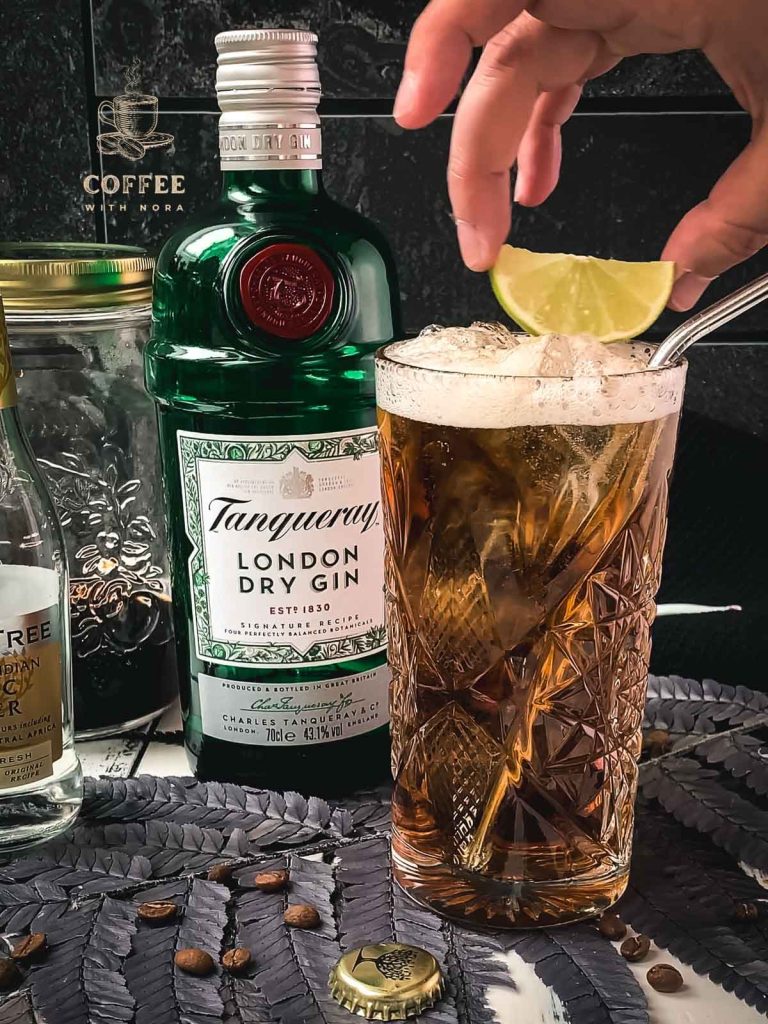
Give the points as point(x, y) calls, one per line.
point(728, 227)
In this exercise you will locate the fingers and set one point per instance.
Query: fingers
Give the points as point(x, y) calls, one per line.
point(539, 156)
point(727, 228)
point(540, 153)
point(439, 52)
point(524, 60)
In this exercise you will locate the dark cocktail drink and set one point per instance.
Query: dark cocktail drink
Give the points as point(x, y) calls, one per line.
point(525, 489)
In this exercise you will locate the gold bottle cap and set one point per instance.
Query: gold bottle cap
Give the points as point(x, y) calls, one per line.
point(386, 981)
point(73, 275)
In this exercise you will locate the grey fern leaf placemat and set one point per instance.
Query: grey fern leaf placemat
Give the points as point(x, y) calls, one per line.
point(104, 964)
point(700, 813)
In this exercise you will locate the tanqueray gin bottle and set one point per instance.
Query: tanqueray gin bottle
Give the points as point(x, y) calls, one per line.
point(267, 312)
point(41, 785)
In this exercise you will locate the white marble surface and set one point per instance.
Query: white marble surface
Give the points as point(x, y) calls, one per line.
point(122, 756)
point(163, 759)
point(699, 1002)
point(116, 757)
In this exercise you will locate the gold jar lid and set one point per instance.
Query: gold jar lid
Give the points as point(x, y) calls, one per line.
point(73, 275)
point(386, 981)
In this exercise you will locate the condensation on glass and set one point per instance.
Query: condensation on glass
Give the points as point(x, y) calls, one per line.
point(78, 318)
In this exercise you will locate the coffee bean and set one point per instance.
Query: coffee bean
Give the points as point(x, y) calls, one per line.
point(194, 961)
point(301, 915)
point(236, 961)
point(746, 912)
point(271, 881)
point(10, 975)
point(131, 149)
point(158, 912)
point(220, 873)
point(665, 978)
point(657, 736)
point(611, 926)
point(635, 948)
point(33, 947)
point(656, 741)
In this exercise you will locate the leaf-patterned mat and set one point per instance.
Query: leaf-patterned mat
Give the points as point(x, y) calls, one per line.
point(702, 809)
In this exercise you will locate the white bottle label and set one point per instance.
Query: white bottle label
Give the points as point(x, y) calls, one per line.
point(287, 547)
point(30, 674)
point(294, 714)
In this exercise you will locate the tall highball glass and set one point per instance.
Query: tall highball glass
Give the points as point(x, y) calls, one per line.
point(525, 519)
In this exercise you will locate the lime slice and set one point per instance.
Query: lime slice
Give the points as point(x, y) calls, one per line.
point(563, 294)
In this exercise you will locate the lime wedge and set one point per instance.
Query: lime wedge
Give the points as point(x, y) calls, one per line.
point(563, 294)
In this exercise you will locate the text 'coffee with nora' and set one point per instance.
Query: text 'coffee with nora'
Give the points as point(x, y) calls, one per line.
point(128, 130)
point(156, 193)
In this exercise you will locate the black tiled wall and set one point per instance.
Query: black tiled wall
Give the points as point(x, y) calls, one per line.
point(44, 142)
point(648, 142)
point(616, 197)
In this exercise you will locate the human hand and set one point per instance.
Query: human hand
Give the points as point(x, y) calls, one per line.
point(536, 58)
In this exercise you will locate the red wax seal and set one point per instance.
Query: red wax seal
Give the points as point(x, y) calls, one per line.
point(287, 290)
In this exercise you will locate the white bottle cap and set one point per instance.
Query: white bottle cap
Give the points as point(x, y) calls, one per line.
point(267, 65)
point(267, 86)
point(268, 89)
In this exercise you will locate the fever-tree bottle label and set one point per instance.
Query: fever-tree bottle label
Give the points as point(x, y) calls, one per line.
point(287, 547)
point(30, 680)
point(41, 783)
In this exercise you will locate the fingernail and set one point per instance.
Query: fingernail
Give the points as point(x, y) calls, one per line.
point(471, 245)
point(518, 188)
point(688, 290)
point(405, 95)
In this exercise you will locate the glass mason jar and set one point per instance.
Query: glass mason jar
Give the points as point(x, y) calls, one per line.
point(78, 317)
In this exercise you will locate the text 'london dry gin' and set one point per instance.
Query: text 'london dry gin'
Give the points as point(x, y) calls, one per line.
point(267, 312)
point(40, 779)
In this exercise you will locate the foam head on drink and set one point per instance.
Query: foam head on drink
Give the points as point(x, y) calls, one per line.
point(558, 379)
point(525, 491)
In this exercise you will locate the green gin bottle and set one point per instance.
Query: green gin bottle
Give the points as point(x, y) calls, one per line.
point(267, 311)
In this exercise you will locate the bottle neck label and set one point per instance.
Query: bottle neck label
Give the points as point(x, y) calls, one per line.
point(287, 565)
point(260, 140)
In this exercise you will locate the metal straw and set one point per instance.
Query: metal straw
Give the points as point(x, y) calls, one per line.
point(703, 323)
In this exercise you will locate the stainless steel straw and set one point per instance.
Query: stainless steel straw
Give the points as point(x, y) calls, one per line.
point(703, 323)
